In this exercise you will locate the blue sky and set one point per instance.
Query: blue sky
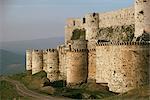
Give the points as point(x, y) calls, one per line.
point(34, 19)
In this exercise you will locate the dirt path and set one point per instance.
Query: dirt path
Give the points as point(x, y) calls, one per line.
point(23, 91)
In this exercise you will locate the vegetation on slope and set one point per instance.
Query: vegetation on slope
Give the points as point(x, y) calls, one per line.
point(141, 93)
point(9, 92)
point(38, 82)
point(78, 34)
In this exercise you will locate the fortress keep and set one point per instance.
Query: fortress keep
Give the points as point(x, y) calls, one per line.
point(109, 48)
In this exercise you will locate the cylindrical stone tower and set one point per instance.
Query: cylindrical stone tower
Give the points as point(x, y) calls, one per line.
point(37, 61)
point(28, 59)
point(52, 65)
point(142, 17)
point(91, 25)
point(76, 66)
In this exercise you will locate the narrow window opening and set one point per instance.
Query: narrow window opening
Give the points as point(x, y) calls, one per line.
point(74, 23)
point(94, 14)
point(83, 20)
point(141, 12)
point(70, 47)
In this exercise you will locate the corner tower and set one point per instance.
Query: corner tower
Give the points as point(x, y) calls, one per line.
point(28, 59)
point(142, 17)
point(76, 66)
point(37, 61)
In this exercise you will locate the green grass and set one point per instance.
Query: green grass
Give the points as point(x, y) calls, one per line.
point(7, 91)
point(83, 91)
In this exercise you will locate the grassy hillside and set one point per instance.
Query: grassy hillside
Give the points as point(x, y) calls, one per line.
point(38, 82)
point(12, 54)
point(8, 92)
point(11, 62)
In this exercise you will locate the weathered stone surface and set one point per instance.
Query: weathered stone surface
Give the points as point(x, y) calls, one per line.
point(116, 33)
point(76, 67)
point(123, 67)
point(37, 61)
point(115, 60)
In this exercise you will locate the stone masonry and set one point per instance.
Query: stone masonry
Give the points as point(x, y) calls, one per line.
point(110, 48)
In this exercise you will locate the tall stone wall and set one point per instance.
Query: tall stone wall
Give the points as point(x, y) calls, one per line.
point(62, 62)
point(77, 44)
point(76, 66)
point(37, 61)
point(71, 25)
point(45, 60)
point(117, 18)
point(142, 17)
point(91, 64)
point(28, 59)
point(91, 25)
point(52, 64)
point(91, 45)
point(123, 66)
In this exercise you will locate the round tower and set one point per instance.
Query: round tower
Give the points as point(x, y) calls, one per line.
point(76, 66)
point(28, 59)
point(37, 61)
point(91, 25)
point(52, 65)
point(142, 17)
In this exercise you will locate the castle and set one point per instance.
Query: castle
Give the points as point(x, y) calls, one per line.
point(111, 48)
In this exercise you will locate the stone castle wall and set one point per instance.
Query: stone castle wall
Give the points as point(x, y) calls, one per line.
point(91, 45)
point(28, 59)
point(62, 63)
point(45, 60)
point(142, 17)
point(117, 18)
point(77, 44)
point(93, 22)
point(91, 64)
point(76, 66)
point(37, 61)
point(123, 66)
point(52, 65)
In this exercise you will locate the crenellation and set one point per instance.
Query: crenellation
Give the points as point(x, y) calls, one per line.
point(121, 43)
point(110, 48)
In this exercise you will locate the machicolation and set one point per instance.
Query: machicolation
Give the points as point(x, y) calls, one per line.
point(109, 48)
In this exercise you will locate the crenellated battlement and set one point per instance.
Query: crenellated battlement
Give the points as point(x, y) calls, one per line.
point(78, 50)
point(110, 47)
point(122, 43)
point(91, 49)
point(51, 50)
